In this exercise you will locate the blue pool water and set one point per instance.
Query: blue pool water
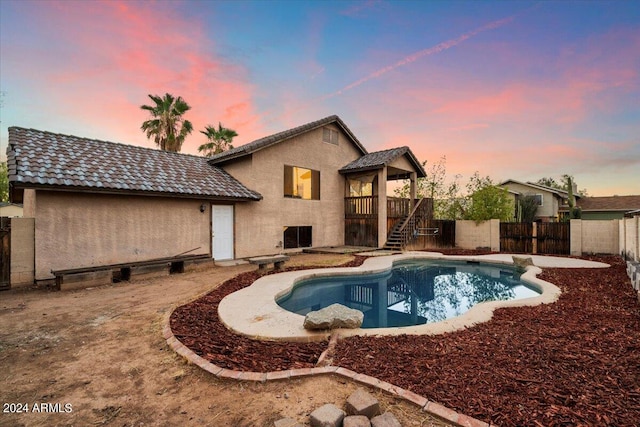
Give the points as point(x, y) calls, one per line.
point(411, 293)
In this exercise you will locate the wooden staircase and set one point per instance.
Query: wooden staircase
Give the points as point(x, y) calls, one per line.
point(406, 229)
point(394, 240)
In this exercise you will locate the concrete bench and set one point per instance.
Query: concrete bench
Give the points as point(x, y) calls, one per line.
point(262, 261)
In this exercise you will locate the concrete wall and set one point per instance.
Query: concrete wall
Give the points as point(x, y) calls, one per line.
point(594, 237)
point(260, 225)
point(22, 251)
point(630, 238)
point(472, 235)
point(11, 211)
point(75, 230)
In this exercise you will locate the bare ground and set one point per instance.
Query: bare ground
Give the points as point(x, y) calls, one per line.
point(101, 351)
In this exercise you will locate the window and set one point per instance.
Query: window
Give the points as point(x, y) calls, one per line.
point(301, 183)
point(538, 199)
point(330, 136)
point(297, 237)
point(361, 187)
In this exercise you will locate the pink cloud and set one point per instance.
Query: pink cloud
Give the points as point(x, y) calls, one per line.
point(111, 54)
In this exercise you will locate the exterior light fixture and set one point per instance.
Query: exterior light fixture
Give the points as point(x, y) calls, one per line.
point(203, 208)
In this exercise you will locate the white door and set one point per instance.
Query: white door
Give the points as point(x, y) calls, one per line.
point(222, 235)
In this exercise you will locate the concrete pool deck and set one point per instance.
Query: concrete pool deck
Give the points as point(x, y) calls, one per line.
point(253, 311)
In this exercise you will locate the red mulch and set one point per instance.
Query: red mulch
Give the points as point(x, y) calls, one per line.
point(198, 327)
point(572, 363)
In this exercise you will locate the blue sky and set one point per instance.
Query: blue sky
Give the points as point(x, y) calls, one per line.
point(511, 89)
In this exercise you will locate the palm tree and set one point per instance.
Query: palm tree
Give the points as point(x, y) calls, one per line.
point(219, 140)
point(167, 126)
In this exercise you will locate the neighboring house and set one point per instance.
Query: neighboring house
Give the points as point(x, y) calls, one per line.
point(550, 200)
point(10, 209)
point(611, 207)
point(100, 203)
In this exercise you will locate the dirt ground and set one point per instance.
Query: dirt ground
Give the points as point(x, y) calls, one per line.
point(97, 357)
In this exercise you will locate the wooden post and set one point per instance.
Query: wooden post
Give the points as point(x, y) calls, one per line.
point(534, 238)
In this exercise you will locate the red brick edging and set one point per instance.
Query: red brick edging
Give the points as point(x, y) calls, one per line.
point(433, 408)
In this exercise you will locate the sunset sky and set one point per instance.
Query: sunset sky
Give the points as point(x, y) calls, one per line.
point(511, 89)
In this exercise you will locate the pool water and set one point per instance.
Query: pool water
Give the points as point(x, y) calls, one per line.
point(411, 293)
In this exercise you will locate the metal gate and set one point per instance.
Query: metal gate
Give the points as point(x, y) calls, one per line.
point(5, 253)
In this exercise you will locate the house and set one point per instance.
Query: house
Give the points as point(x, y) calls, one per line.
point(99, 203)
point(550, 200)
point(10, 209)
point(610, 207)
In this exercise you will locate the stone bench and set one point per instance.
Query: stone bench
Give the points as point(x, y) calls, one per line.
point(262, 261)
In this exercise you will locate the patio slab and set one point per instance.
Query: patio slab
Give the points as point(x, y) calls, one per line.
point(260, 317)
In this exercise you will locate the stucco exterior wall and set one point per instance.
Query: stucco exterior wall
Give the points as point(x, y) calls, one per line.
point(260, 225)
point(472, 235)
point(75, 230)
point(549, 206)
point(22, 252)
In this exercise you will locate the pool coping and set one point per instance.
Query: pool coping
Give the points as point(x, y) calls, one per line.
point(434, 408)
point(262, 318)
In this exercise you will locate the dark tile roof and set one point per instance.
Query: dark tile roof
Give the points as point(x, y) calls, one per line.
point(276, 138)
point(610, 203)
point(44, 159)
point(379, 159)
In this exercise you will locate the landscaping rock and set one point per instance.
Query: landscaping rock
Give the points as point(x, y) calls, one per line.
point(328, 415)
point(385, 420)
point(362, 403)
point(287, 422)
point(356, 421)
point(333, 317)
point(522, 263)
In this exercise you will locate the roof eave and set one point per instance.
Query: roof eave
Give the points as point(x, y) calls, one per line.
point(95, 190)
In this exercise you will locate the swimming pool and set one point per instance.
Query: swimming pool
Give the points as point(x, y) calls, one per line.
point(413, 292)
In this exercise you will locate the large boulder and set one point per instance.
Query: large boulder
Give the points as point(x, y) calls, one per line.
point(333, 317)
point(522, 263)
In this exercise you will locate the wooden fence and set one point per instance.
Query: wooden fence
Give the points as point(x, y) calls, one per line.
point(5, 253)
point(436, 233)
point(550, 238)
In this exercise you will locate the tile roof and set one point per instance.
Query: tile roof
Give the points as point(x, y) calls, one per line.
point(44, 159)
point(276, 138)
point(610, 203)
point(379, 159)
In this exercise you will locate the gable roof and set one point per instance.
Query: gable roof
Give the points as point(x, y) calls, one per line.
point(38, 159)
point(558, 192)
point(279, 137)
point(379, 159)
point(609, 203)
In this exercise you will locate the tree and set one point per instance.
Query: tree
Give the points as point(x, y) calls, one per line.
point(447, 203)
point(527, 206)
point(167, 127)
point(574, 211)
point(488, 201)
point(4, 182)
point(219, 140)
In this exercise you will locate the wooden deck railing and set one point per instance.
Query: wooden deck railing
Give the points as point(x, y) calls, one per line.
point(367, 206)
